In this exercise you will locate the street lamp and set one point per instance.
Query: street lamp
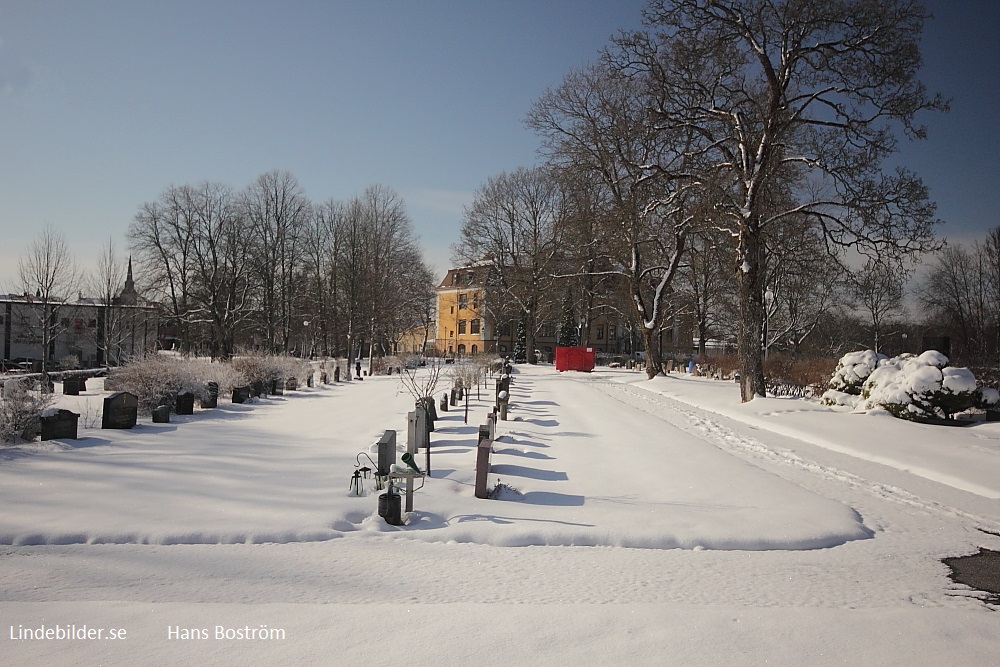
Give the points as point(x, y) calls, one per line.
point(768, 296)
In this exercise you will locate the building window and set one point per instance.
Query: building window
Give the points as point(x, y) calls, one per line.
point(475, 301)
point(475, 349)
point(463, 301)
point(64, 322)
point(453, 310)
point(548, 331)
point(505, 329)
point(451, 334)
point(461, 327)
point(600, 333)
point(461, 349)
point(503, 348)
point(612, 331)
point(474, 326)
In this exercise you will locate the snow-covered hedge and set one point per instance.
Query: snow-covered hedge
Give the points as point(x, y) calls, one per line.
point(157, 379)
point(907, 386)
point(268, 367)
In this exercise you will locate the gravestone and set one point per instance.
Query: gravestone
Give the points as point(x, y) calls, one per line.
point(386, 453)
point(291, 384)
point(257, 388)
point(184, 403)
point(483, 452)
point(502, 399)
point(277, 387)
point(59, 425)
point(324, 378)
point(12, 387)
point(444, 402)
point(211, 399)
point(309, 380)
point(71, 386)
point(431, 410)
point(120, 410)
point(161, 414)
point(241, 394)
point(417, 435)
point(336, 374)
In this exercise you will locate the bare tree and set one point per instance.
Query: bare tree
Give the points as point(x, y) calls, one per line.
point(514, 227)
point(796, 95)
point(162, 236)
point(48, 275)
point(878, 287)
point(276, 210)
point(954, 291)
point(596, 124)
point(106, 284)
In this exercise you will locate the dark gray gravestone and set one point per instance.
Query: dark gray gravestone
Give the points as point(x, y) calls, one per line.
point(211, 399)
point(483, 452)
point(336, 374)
point(120, 410)
point(257, 388)
point(184, 403)
point(241, 394)
point(161, 414)
point(71, 386)
point(60, 425)
point(291, 384)
point(277, 387)
point(324, 378)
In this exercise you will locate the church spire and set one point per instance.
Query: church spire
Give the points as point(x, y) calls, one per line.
point(129, 297)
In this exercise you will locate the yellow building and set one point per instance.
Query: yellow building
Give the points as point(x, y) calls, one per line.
point(462, 327)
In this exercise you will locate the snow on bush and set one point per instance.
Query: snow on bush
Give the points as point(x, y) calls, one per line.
point(157, 379)
point(853, 369)
point(20, 410)
point(269, 367)
point(921, 387)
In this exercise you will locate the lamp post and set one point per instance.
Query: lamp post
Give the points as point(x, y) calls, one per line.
point(768, 296)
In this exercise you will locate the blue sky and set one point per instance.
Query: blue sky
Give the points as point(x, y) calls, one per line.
point(104, 104)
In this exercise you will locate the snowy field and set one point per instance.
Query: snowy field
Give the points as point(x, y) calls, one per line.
point(654, 522)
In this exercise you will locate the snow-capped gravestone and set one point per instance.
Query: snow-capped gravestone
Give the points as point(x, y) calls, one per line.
point(211, 399)
point(184, 403)
point(121, 409)
point(241, 394)
point(59, 424)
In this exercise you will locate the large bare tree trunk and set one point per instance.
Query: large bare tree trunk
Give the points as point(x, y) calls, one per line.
point(750, 279)
point(654, 363)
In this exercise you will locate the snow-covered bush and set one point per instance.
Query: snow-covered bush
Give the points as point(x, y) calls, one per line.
point(921, 387)
point(157, 379)
point(20, 409)
point(853, 369)
point(269, 367)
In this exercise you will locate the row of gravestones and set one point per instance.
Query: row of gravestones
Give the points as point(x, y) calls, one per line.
point(121, 408)
point(488, 432)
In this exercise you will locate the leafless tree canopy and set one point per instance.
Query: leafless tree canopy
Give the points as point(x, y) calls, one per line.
point(267, 268)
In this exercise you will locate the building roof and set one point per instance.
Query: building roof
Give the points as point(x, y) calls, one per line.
point(466, 276)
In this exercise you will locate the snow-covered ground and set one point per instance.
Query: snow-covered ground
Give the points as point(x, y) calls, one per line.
point(656, 522)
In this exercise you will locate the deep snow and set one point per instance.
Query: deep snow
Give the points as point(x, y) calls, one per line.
point(656, 521)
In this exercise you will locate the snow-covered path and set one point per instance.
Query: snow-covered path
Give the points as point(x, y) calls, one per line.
point(879, 600)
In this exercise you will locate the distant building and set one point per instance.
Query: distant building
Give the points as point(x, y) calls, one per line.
point(95, 332)
point(466, 325)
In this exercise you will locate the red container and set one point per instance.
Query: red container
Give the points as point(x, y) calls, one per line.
point(575, 359)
